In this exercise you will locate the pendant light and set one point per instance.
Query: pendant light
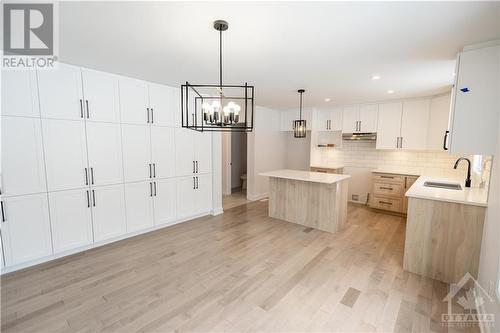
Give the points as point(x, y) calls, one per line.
point(217, 107)
point(299, 126)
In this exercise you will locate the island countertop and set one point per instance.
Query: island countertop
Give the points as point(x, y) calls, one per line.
point(307, 176)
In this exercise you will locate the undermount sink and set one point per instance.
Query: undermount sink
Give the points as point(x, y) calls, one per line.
point(449, 186)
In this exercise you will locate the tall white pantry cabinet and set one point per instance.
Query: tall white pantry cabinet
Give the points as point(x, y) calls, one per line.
point(90, 157)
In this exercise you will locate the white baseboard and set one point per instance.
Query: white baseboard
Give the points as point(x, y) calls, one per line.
point(255, 197)
point(217, 211)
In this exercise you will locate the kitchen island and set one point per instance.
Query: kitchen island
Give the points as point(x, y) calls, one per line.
point(312, 199)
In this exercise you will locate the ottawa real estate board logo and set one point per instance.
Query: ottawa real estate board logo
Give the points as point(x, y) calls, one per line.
point(29, 36)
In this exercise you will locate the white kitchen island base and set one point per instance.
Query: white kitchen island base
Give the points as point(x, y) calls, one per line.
point(310, 199)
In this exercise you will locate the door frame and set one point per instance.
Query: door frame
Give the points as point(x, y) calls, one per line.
point(226, 163)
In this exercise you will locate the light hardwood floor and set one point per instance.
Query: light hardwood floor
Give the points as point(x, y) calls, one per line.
point(239, 271)
point(234, 200)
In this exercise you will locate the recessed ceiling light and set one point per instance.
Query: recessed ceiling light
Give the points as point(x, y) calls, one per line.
point(390, 91)
point(327, 99)
point(375, 77)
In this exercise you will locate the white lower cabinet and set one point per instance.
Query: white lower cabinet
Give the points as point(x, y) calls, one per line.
point(164, 194)
point(139, 205)
point(194, 195)
point(108, 212)
point(25, 228)
point(71, 218)
point(203, 193)
point(163, 151)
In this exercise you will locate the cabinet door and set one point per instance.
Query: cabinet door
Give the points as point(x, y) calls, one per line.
point(108, 212)
point(136, 152)
point(71, 219)
point(389, 125)
point(165, 192)
point(186, 200)
point(134, 101)
point(101, 96)
point(20, 93)
point(414, 124)
point(105, 153)
point(350, 117)
point(61, 94)
point(161, 101)
point(368, 118)
point(203, 149)
point(336, 120)
point(184, 152)
point(203, 193)
point(323, 120)
point(65, 154)
point(23, 169)
point(26, 230)
point(163, 151)
point(139, 205)
point(438, 121)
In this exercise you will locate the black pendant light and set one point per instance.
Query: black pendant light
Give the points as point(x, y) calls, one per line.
point(299, 126)
point(217, 107)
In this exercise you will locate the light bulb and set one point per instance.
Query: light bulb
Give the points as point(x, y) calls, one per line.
point(226, 110)
point(205, 106)
point(237, 109)
point(231, 104)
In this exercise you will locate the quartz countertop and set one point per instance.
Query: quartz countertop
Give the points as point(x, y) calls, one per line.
point(468, 196)
point(307, 176)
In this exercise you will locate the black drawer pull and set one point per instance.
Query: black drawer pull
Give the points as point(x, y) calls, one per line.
point(388, 177)
point(386, 188)
point(385, 202)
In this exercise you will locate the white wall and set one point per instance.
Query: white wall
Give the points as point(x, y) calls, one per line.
point(266, 151)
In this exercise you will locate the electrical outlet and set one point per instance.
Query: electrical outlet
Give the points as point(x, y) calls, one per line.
point(355, 197)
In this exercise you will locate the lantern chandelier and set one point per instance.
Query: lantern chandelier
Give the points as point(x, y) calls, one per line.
point(299, 126)
point(217, 107)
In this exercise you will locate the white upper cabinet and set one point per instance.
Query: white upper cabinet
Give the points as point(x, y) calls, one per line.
point(389, 125)
point(165, 193)
point(139, 205)
point(104, 153)
point(108, 212)
point(134, 101)
point(184, 152)
point(474, 118)
point(163, 151)
point(136, 152)
point(20, 93)
point(329, 120)
point(71, 220)
point(22, 165)
point(61, 94)
point(101, 94)
point(25, 228)
point(162, 101)
point(203, 152)
point(368, 116)
point(350, 119)
point(336, 120)
point(438, 121)
point(65, 154)
point(414, 124)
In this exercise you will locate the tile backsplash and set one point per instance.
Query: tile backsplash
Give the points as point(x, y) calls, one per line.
point(435, 163)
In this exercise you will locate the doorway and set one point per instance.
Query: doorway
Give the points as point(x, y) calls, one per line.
point(234, 169)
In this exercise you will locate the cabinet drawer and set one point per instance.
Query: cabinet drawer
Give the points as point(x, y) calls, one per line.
point(327, 170)
point(387, 177)
point(391, 204)
point(393, 189)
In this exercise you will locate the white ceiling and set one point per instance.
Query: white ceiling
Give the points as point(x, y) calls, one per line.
point(331, 49)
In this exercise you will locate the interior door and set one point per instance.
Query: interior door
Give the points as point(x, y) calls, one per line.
point(136, 152)
point(102, 96)
point(61, 95)
point(350, 117)
point(163, 151)
point(139, 205)
point(161, 101)
point(134, 101)
point(368, 116)
point(105, 153)
point(389, 125)
point(22, 164)
point(203, 149)
point(184, 152)
point(414, 124)
point(65, 154)
point(165, 193)
point(71, 220)
point(26, 228)
point(20, 93)
point(203, 193)
point(108, 212)
point(186, 200)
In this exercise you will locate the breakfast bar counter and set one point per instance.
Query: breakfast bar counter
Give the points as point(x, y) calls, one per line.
point(312, 199)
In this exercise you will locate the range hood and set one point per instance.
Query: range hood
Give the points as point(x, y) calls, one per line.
point(359, 136)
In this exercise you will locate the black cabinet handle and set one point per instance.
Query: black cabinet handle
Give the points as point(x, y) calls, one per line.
point(3, 212)
point(150, 172)
point(92, 175)
point(86, 176)
point(389, 177)
point(196, 166)
point(147, 115)
point(154, 184)
point(445, 139)
point(401, 142)
point(88, 111)
point(154, 170)
point(150, 189)
point(152, 116)
point(81, 108)
point(385, 202)
point(93, 198)
point(386, 188)
point(197, 183)
point(194, 183)
point(88, 199)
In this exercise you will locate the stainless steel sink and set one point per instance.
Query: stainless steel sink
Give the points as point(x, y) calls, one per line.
point(449, 186)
